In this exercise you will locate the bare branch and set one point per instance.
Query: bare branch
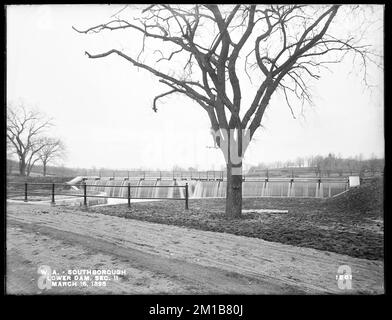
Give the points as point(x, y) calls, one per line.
point(287, 47)
point(154, 106)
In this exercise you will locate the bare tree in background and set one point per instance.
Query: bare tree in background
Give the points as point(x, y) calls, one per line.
point(207, 52)
point(25, 129)
point(52, 149)
point(300, 162)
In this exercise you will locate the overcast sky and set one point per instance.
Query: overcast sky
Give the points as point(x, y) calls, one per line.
point(102, 108)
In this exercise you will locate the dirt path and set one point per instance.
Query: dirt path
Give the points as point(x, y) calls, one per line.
point(169, 259)
point(29, 247)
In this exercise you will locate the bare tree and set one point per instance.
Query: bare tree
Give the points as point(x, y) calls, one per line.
point(300, 161)
point(373, 164)
point(52, 149)
point(24, 132)
point(200, 47)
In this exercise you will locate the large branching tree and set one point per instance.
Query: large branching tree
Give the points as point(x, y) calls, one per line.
point(206, 51)
point(25, 130)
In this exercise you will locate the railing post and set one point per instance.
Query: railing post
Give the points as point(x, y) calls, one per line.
point(290, 193)
point(25, 199)
point(265, 188)
point(186, 196)
point(84, 194)
point(129, 195)
point(53, 202)
point(319, 188)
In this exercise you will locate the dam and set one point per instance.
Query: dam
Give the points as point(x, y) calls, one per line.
point(157, 188)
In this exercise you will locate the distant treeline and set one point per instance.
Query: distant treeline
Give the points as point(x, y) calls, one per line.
point(13, 168)
point(325, 165)
point(61, 171)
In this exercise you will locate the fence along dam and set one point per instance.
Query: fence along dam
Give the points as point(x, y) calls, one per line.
point(166, 188)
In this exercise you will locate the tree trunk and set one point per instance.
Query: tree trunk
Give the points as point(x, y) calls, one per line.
point(233, 194)
point(22, 167)
point(44, 169)
point(9, 167)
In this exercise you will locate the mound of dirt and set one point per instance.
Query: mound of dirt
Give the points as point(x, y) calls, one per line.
point(368, 198)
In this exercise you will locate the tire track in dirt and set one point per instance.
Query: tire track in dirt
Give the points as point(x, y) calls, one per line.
point(27, 249)
point(312, 270)
point(198, 278)
point(188, 255)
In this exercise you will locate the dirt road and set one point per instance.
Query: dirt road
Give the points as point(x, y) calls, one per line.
point(166, 259)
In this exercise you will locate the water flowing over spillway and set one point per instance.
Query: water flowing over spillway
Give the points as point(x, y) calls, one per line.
point(172, 188)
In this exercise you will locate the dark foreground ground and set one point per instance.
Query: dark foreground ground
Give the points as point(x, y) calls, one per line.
point(350, 224)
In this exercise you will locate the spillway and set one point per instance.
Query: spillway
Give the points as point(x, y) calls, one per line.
point(252, 188)
point(146, 189)
point(172, 188)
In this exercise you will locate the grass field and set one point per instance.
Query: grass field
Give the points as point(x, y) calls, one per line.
point(15, 187)
point(351, 224)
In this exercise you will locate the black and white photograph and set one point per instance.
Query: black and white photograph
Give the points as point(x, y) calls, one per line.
point(194, 149)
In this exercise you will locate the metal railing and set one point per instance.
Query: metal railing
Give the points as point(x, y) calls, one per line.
point(175, 175)
point(207, 175)
point(84, 195)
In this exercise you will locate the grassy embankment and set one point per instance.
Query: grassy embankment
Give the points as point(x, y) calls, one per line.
point(350, 224)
